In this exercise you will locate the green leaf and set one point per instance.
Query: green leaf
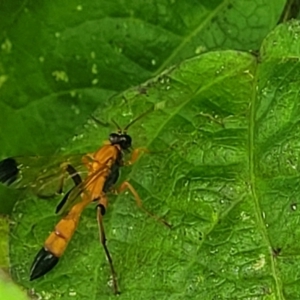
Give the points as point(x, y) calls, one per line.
point(59, 61)
point(224, 172)
point(234, 147)
point(4, 231)
point(145, 252)
point(9, 290)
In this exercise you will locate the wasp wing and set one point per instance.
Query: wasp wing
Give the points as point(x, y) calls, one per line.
point(44, 175)
point(73, 196)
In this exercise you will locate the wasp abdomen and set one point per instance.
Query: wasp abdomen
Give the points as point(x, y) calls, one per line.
point(44, 262)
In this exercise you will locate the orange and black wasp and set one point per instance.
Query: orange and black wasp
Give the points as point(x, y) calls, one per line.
point(102, 172)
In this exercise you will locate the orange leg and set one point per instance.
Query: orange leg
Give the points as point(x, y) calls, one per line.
point(135, 155)
point(100, 213)
point(137, 152)
point(126, 185)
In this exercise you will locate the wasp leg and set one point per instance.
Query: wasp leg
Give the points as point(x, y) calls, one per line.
point(135, 155)
point(8, 171)
point(126, 185)
point(101, 207)
point(57, 241)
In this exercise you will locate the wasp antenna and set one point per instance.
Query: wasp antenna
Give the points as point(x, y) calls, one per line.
point(98, 121)
point(138, 118)
point(116, 124)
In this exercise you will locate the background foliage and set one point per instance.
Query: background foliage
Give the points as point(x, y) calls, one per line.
point(229, 184)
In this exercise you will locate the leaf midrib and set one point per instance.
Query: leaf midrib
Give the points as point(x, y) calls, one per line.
point(258, 211)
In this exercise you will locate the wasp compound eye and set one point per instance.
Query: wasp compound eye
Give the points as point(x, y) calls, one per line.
point(114, 138)
point(125, 141)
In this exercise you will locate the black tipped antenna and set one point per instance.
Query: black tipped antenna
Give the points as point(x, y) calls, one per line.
point(139, 117)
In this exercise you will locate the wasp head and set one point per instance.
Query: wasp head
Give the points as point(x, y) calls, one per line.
point(121, 139)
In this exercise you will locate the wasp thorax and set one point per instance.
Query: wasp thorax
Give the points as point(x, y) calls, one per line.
point(124, 140)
